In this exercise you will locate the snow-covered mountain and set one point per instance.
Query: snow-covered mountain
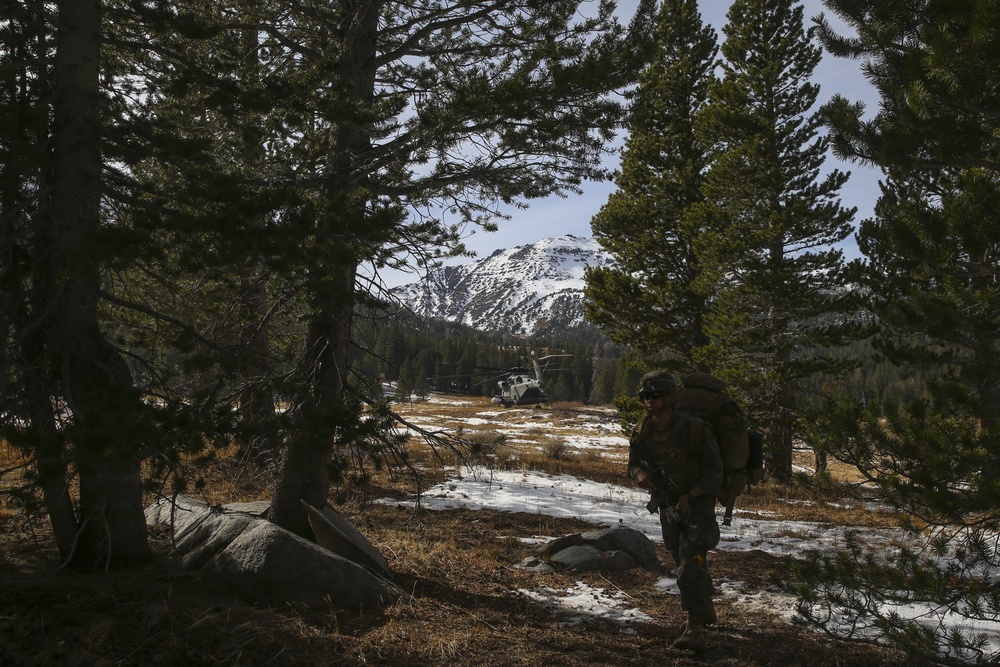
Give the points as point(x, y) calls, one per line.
point(528, 290)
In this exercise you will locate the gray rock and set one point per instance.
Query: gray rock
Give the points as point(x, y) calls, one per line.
point(201, 542)
point(180, 514)
point(340, 536)
point(269, 565)
point(628, 540)
point(255, 507)
point(579, 557)
point(200, 531)
point(535, 565)
point(548, 549)
point(608, 549)
point(617, 561)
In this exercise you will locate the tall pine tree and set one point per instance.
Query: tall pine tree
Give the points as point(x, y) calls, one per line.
point(650, 224)
point(463, 106)
point(773, 220)
point(932, 245)
point(64, 367)
point(932, 276)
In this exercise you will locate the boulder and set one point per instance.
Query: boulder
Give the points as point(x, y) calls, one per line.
point(627, 540)
point(578, 557)
point(200, 530)
point(269, 565)
point(216, 531)
point(180, 513)
point(337, 534)
point(553, 547)
point(272, 566)
point(608, 549)
point(535, 565)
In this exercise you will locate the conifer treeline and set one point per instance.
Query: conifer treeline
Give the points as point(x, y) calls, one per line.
point(418, 357)
point(421, 356)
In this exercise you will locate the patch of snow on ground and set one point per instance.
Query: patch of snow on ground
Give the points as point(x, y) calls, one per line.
point(444, 399)
point(597, 442)
point(475, 421)
point(602, 504)
point(583, 601)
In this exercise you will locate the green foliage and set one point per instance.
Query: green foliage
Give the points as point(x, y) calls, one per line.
point(780, 283)
point(648, 300)
point(724, 226)
point(931, 281)
point(930, 460)
point(858, 595)
point(931, 250)
point(630, 412)
point(255, 158)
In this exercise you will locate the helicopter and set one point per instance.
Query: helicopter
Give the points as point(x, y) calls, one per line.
point(519, 386)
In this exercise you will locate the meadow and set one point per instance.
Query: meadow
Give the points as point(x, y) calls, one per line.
point(456, 550)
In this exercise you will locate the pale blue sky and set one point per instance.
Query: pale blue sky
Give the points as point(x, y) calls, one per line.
point(556, 216)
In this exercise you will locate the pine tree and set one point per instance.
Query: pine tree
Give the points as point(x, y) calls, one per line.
point(463, 106)
point(649, 299)
point(773, 220)
point(371, 114)
point(931, 247)
point(26, 384)
point(932, 278)
point(602, 385)
point(67, 352)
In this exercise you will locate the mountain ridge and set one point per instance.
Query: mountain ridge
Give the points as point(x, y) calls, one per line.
point(529, 290)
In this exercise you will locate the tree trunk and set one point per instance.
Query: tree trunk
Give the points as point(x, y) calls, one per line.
point(48, 447)
point(304, 472)
point(257, 437)
point(822, 461)
point(779, 453)
point(106, 426)
point(30, 365)
point(113, 529)
point(989, 401)
point(305, 475)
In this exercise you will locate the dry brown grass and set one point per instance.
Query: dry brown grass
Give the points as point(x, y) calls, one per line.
point(459, 566)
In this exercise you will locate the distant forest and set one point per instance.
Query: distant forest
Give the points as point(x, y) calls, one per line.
point(420, 356)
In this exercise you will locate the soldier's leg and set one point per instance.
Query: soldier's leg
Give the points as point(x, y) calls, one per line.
point(695, 584)
point(671, 536)
point(693, 579)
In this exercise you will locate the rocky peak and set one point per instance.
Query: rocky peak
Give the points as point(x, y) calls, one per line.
point(527, 290)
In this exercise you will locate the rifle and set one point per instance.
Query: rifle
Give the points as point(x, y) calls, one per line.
point(665, 491)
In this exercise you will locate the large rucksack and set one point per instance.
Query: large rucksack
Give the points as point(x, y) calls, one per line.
point(704, 395)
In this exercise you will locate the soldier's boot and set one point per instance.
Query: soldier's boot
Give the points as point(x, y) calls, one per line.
point(711, 618)
point(693, 638)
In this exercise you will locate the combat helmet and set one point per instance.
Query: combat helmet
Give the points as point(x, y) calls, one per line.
point(658, 381)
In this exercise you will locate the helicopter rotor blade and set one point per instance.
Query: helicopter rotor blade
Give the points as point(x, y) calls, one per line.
point(494, 378)
point(449, 377)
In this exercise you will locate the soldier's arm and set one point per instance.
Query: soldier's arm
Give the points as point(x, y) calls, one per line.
point(636, 469)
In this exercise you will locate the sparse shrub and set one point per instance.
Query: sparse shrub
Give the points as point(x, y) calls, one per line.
point(554, 448)
point(488, 447)
point(597, 457)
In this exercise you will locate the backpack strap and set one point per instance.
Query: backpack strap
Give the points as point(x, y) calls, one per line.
point(643, 426)
point(639, 432)
point(696, 430)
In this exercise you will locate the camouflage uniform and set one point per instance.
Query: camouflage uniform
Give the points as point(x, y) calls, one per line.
point(688, 464)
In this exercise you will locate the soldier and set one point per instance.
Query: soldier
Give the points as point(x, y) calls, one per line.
point(677, 458)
